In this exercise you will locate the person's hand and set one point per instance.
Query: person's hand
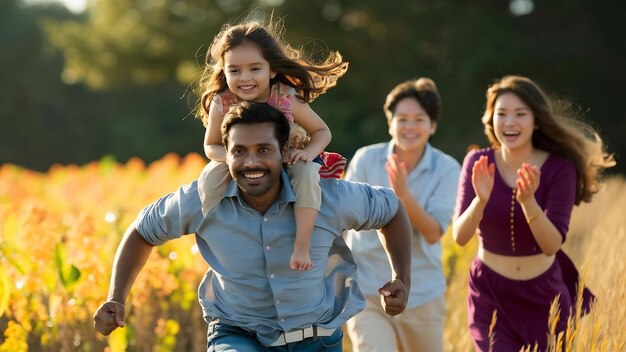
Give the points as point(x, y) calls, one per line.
point(397, 175)
point(393, 297)
point(483, 175)
point(527, 182)
point(294, 155)
point(109, 317)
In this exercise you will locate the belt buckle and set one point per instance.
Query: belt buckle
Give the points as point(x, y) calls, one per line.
point(294, 336)
point(301, 334)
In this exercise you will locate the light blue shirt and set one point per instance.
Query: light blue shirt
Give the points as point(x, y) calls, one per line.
point(433, 183)
point(250, 284)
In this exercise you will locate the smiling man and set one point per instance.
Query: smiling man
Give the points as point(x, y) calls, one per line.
point(250, 298)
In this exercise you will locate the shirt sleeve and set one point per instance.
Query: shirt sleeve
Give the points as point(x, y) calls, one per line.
point(560, 195)
point(364, 207)
point(465, 190)
point(440, 204)
point(356, 171)
point(171, 216)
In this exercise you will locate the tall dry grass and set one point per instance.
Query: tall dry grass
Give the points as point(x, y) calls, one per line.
point(597, 245)
point(59, 231)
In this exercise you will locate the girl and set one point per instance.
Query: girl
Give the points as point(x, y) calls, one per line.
point(250, 62)
point(519, 195)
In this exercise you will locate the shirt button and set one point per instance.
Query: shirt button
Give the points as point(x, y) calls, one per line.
point(272, 276)
point(265, 219)
point(267, 248)
point(281, 319)
point(277, 301)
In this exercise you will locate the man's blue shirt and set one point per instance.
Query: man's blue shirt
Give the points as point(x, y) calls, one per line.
point(250, 284)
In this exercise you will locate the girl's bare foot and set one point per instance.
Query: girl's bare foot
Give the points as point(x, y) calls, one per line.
point(300, 259)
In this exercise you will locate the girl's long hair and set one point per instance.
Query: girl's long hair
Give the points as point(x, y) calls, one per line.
point(557, 132)
point(292, 67)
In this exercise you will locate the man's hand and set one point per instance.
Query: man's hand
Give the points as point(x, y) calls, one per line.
point(109, 317)
point(394, 297)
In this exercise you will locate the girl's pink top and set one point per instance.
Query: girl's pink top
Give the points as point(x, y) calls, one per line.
point(333, 164)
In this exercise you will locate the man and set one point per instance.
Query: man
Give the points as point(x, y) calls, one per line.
point(251, 299)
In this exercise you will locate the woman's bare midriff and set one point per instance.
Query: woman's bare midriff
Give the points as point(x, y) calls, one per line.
point(516, 268)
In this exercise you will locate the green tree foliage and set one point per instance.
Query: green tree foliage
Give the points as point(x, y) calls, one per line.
point(45, 121)
point(136, 42)
point(124, 49)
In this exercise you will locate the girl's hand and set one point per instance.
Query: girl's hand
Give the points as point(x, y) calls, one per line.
point(294, 155)
point(483, 178)
point(397, 175)
point(527, 182)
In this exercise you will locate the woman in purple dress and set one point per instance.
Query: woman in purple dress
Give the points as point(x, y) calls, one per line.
point(518, 196)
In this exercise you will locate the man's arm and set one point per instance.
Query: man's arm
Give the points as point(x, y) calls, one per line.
point(132, 254)
point(397, 236)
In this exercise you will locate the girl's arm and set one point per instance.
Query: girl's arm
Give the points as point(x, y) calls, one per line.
point(546, 234)
point(464, 226)
point(213, 147)
point(314, 125)
point(481, 178)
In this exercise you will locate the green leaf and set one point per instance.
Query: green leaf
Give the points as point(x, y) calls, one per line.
point(72, 274)
point(59, 253)
point(68, 273)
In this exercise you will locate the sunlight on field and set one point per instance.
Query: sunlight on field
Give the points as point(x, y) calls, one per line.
point(59, 231)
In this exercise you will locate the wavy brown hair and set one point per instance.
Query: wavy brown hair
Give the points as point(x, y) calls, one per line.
point(557, 132)
point(292, 66)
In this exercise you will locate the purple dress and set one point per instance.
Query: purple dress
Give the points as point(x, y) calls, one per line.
point(522, 306)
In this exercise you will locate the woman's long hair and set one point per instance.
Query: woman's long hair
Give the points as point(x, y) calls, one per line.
point(557, 132)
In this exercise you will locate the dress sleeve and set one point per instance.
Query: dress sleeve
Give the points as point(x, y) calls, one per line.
point(224, 99)
point(465, 191)
point(217, 100)
point(560, 193)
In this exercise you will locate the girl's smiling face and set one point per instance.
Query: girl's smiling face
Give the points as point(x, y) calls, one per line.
point(247, 73)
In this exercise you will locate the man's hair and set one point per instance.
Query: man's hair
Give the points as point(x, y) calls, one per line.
point(254, 113)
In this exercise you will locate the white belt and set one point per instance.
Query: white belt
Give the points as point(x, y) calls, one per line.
point(299, 335)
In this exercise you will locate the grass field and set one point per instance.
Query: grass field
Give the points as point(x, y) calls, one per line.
point(59, 231)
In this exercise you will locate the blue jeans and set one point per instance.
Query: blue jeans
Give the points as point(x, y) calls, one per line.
point(228, 338)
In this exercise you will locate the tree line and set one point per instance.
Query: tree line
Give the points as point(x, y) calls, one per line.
point(119, 78)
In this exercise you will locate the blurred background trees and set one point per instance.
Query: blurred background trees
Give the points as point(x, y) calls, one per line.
point(118, 79)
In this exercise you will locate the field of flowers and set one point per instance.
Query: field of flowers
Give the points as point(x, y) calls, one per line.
point(59, 231)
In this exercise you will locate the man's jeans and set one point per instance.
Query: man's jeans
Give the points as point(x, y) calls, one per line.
point(228, 338)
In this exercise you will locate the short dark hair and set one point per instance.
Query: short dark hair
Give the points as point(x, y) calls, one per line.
point(423, 90)
point(250, 112)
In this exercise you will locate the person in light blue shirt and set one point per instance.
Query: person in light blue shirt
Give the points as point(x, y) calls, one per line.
point(425, 180)
point(250, 297)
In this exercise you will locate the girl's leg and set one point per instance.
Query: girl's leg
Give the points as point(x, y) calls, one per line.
point(212, 184)
point(305, 182)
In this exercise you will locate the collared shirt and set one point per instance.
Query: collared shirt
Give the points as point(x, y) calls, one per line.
point(250, 284)
point(433, 183)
